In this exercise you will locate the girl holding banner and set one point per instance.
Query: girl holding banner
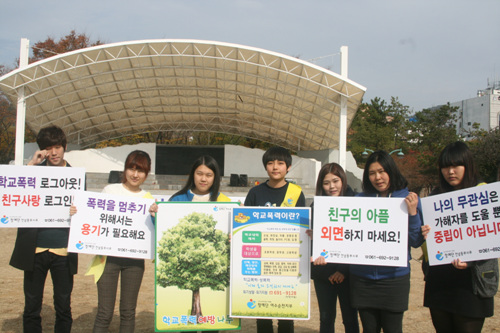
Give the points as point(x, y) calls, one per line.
point(449, 294)
point(332, 280)
point(202, 185)
point(381, 293)
point(203, 182)
point(107, 269)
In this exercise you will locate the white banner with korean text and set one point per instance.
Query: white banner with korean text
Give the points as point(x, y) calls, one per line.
point(365, 231)
point(464, 224)
point(38, 196)
point(106, 224)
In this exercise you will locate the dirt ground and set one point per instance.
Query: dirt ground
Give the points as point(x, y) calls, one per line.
point(85, 300)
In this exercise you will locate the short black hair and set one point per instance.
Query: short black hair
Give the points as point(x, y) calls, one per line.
point(396, 180)
point(51, 136)
point(277, 154)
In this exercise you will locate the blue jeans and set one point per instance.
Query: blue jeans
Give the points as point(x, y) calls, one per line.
point(34, 284)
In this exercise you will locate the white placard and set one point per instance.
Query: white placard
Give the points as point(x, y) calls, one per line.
point(361, 230)
point(464, 224)
point(107, 224)
point(38, 196)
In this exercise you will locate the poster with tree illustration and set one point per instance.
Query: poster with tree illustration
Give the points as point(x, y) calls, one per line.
point(192, 267)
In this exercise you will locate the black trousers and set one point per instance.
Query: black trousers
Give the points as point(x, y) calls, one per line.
point(34, 284)
point(266, 326)
point(374, 320)
point(327, 295)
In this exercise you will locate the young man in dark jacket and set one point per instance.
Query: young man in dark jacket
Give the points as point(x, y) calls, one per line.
point(38, 250)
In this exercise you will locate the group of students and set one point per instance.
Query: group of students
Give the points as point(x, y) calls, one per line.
point(379, 294)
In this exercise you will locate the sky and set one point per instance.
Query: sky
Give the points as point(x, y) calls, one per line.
point(424, 52)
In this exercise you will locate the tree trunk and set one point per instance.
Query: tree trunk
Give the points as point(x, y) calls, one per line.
point(196, 304)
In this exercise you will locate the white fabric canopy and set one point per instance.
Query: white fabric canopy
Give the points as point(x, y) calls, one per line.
point(115, 90)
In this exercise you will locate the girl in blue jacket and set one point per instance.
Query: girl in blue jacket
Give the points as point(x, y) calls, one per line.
point(381, 292)
point(202, 185)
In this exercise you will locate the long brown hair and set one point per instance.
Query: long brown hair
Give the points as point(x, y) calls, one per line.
point(137, 159)
point(335, 169)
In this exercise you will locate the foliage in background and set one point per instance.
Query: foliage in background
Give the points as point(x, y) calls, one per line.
point(429, 131)
point(8, 126)
point(422, 135)
point(71, 42)
point(410, 168)
point(41, 50)
point(486, 149)
point(185, 138)
point(378, 126)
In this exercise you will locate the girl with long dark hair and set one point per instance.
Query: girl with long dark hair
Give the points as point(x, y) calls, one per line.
point(331, 281)
point(203, 182)
point(381, 293)
point(449, 294)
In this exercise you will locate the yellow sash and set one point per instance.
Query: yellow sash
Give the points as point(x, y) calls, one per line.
point(96, 267)
point(291, 196)
point(223, 198)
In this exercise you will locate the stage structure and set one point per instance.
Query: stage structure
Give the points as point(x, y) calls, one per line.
point(114, 90)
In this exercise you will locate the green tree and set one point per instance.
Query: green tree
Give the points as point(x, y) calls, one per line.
point(71, 42)
point(410, 168)
point(7, 129)
point(378, 125)
point(486, 151)
point(430, 131)
point(194, 255)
